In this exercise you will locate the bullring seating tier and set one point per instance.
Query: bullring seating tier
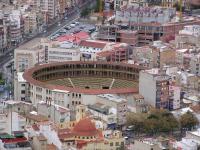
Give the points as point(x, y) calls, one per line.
point(93, 83)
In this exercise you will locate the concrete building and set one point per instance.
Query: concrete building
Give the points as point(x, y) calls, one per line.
point(116, 53)
point(138, 14)
point(151, 144)
point(190, 142)
point(127, 36)
point(174, 97)
point(104, 112)
point(84, 135)
point(119, 104)
point(21, 86)
point(58, 52)
point(10, 119)
point(49, 6)
point(137, 104)
point(56, 113)
point(28, 55)
point(154, 87)
point(188, 37)
point(165, 54)
point(195, 65)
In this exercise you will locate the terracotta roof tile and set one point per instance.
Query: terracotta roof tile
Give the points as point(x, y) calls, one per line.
point(94, 44)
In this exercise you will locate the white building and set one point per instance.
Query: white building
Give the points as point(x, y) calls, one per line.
point(190, 142)
point(119, 104)
point(58, 52)
point(137, 14)
point(28, 55)
point(195, 65)
point(89, 48)
point(21, 86)
point(10, 120)
point(55, 112)
point(105, 113)
point(154, 87)
point(174, 95)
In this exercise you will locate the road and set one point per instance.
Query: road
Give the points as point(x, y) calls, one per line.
point(51, 30)
point(73, 15)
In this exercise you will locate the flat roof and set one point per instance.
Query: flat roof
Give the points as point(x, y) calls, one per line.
point(113, 98)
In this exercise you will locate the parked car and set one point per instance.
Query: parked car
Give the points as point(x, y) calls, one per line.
point(72, 25)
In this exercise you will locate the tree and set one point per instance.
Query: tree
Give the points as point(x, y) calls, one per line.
point(85, 12)
point(136, 120)
point(188, 121)
point(2, 81)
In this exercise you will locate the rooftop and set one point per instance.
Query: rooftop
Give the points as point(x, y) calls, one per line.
point(37, 118)
point(93, 43)
point(113, 98)
point(20, 77)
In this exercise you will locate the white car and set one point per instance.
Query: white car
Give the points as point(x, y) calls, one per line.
point(72, 25)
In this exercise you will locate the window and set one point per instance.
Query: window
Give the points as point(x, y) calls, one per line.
point(117, 144)
point(23, 92)
point(111, 144)
point(23, 84)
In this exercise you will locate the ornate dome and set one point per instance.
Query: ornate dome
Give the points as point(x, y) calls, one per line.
point(85, 127)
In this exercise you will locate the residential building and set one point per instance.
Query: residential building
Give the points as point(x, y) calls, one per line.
point(83, 135)
point(154, 87)
point(56, 113)
point(174, 97)
point(116, 53)
point(65, 51)
point(190, 142)
point(16, 141)
point(145, 14)
point(51, 7)
point(195, 65)
point(188, 37)
point(89, 48)
point(166, 55)
point(28, 55)
point(41, 143)
point(151, 144)
point(117, 103)
point(137, 104)
point(105, 113)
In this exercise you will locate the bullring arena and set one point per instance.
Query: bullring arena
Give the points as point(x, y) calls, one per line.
point(91, 78)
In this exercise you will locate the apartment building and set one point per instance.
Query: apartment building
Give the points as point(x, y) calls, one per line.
point(166, 54)
point(89, 48)
point(195, 65)
point(188, 37)
point(174, 97)
point(154, 87)
point(30, 23)
point(116, 53)
point(118, 103)
point(65, 51)
point(28, 55)
point(49, 6)
point(56, 113)
point(21, 88)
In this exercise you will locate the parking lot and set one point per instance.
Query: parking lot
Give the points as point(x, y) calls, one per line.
point(72, 28)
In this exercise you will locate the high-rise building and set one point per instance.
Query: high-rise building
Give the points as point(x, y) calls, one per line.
point(154, 87)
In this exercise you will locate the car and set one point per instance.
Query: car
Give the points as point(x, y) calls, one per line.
point(77, 23)
point(76, 31)
point(66, 18)
point(67, 28)
point(72, 25)
point(59, 24)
